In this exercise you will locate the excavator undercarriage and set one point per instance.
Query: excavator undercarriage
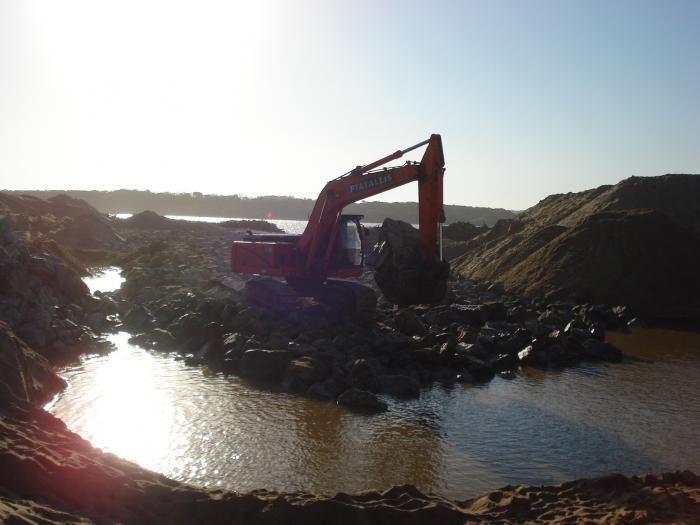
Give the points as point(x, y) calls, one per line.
point(346, 299)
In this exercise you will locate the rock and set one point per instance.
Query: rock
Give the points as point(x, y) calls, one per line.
point(165, 315)
point(187, 326)
point(192, 360)
point(230, 365)
point(211, 309)
point(140, 339)
point(551, 317)
point(253, 320)
point(409, 323)
point(393, 342)
point(363, 375)
point(427, 356)
point(361, 400)
point(234, 341)
point(464, 378)
point(635, 322)
point(212, 352)
point(505, 362)
point(302, 372)
point(531, 356)
point(213, 330)
point(329, 389)
point(162, 339)
point(25, 376)
point(398, 385)
point(138, 318)
point(264, 365)
point(479, 368)
point(473, 314)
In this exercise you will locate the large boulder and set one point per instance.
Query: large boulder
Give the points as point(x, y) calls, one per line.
point(361, 401)
point(303, 372)
point(264, 365)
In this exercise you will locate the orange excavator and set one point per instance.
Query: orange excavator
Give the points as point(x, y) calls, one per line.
point(332, 245)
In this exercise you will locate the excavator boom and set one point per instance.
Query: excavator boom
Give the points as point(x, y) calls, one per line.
point(364, 182)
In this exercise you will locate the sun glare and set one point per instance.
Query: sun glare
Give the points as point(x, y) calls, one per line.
point(131, 417)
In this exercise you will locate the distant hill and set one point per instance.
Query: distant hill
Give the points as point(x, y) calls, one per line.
point(132, 201)
point(635, 243)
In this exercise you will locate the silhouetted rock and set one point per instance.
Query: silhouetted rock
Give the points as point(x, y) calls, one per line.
point(265, 365)
point(361, 400)
point(25, 376)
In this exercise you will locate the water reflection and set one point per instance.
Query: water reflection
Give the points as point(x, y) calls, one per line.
point(104, 279)
point(538, 428)
point(127, 411)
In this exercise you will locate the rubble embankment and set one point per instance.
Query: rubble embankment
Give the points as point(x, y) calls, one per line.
point(180, 297)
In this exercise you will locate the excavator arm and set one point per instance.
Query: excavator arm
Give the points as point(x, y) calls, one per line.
point(367, 181)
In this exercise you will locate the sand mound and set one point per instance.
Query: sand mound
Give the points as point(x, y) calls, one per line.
point(635, 243)
point(148, 220)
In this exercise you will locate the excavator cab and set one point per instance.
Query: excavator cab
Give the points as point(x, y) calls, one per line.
point(348, 249)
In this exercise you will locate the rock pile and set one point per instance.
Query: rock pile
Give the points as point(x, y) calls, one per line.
point(43, 300)
point(73, 224)
point(178, 297)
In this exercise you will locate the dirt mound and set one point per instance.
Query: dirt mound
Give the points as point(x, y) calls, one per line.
point(72, 223)
point(635, 243)
point(462, 231)
point(148, 220)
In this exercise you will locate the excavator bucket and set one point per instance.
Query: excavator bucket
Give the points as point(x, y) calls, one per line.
point(403, 276)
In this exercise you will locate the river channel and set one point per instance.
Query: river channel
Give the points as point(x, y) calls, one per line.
point(642, 415)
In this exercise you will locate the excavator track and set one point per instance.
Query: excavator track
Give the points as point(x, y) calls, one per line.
point(344, 299)
point(349, 298)
point(271, 294)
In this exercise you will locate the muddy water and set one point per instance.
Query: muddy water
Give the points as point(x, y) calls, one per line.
point(639, 416)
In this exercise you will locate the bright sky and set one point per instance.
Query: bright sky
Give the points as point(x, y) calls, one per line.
point(276, 97)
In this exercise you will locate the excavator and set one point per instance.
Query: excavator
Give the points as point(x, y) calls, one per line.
point(332, 246)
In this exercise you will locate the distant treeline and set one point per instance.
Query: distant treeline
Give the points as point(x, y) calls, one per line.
point(133, 201)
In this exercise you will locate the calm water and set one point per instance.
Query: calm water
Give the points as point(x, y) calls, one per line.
point(288, 226)
point(634, 417)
